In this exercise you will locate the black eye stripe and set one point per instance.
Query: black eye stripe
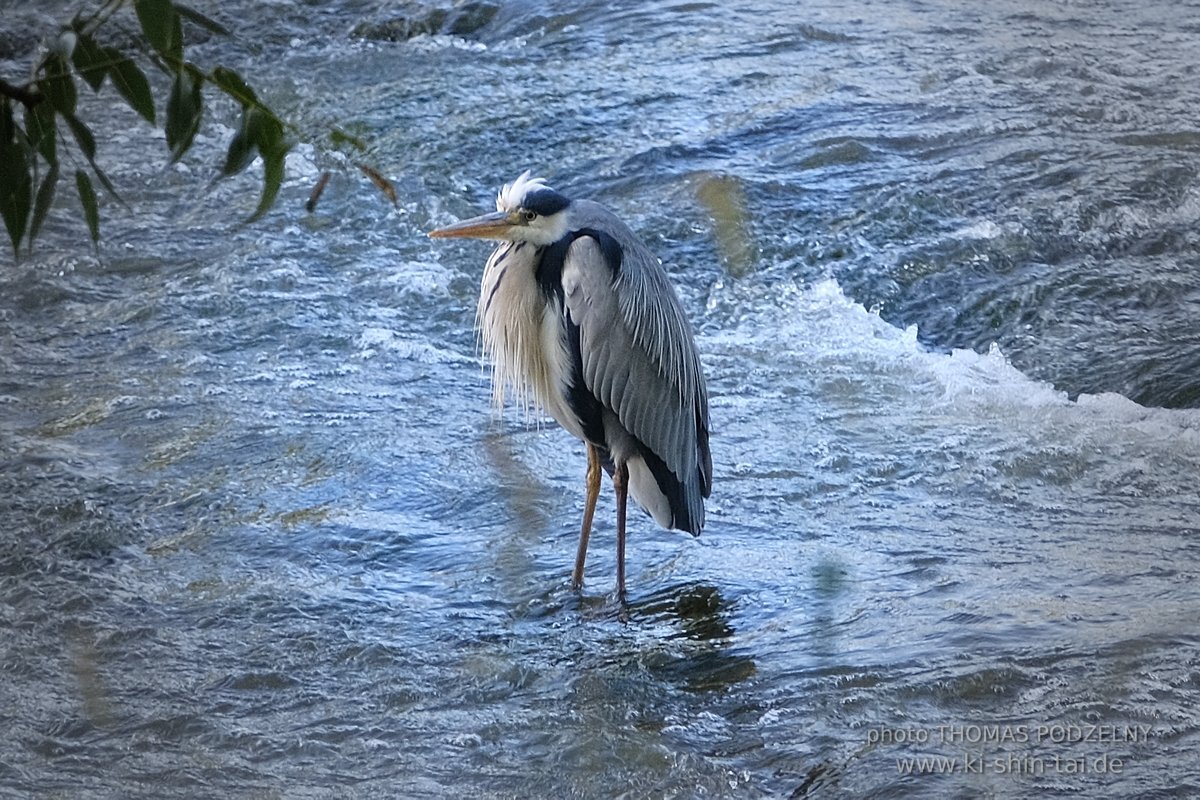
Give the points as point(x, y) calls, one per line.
point(545, 202)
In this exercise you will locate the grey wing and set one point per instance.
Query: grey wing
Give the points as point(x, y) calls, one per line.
point(639, 360)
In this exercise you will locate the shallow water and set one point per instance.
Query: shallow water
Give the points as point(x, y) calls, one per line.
point(264, 537)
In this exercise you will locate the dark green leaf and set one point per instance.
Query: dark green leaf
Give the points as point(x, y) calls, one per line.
point(184, 109)
point(177, 35)
point(241, 149)
point(232, 84)
point(91, 62)
point(106, 183)
point(16, 179)
point(41, 204)
point(83, 136)
point(160, 25)
point(57, 84)
point(91, 210)
point(260, 131)
point(87, 144)
point(42, 132)
point(131, 82)
point(14, 207)
point(265, 131)
point(192, 15)
point(272, 180)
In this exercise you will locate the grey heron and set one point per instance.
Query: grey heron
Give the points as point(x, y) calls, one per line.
point(578, 314)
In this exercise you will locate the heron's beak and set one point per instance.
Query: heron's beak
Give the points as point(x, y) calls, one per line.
point(485, 226)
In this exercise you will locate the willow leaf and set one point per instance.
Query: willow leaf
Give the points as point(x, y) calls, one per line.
point(91, 209)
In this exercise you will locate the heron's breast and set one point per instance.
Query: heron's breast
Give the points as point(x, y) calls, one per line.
point(523, 333)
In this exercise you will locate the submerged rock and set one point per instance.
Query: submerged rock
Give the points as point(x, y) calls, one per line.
point(465, 20)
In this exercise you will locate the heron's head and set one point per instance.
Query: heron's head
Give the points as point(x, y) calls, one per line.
point(527, 210)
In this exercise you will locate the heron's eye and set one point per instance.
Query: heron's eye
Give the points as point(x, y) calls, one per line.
point(529, 216)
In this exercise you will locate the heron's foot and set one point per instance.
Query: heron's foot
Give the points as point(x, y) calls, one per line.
point(623, 609)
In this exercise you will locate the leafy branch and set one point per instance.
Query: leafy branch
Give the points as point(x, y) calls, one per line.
point(31, 114)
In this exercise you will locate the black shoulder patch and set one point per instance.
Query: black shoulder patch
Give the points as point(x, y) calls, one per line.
point(610, 248)
point(552, 257)
point(550, 266)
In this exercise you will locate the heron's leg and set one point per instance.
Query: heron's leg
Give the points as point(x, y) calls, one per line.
point(621, 485)
point(589, 509)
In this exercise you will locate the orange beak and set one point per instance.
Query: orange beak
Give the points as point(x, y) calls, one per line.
point(486, 226)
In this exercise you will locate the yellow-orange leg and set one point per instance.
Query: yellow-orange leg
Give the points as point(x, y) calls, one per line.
point(589, 510)
point(621, 485)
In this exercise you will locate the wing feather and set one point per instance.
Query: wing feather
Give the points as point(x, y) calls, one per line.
point(639, 358)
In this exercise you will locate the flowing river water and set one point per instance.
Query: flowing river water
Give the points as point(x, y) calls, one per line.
point(261, 534)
